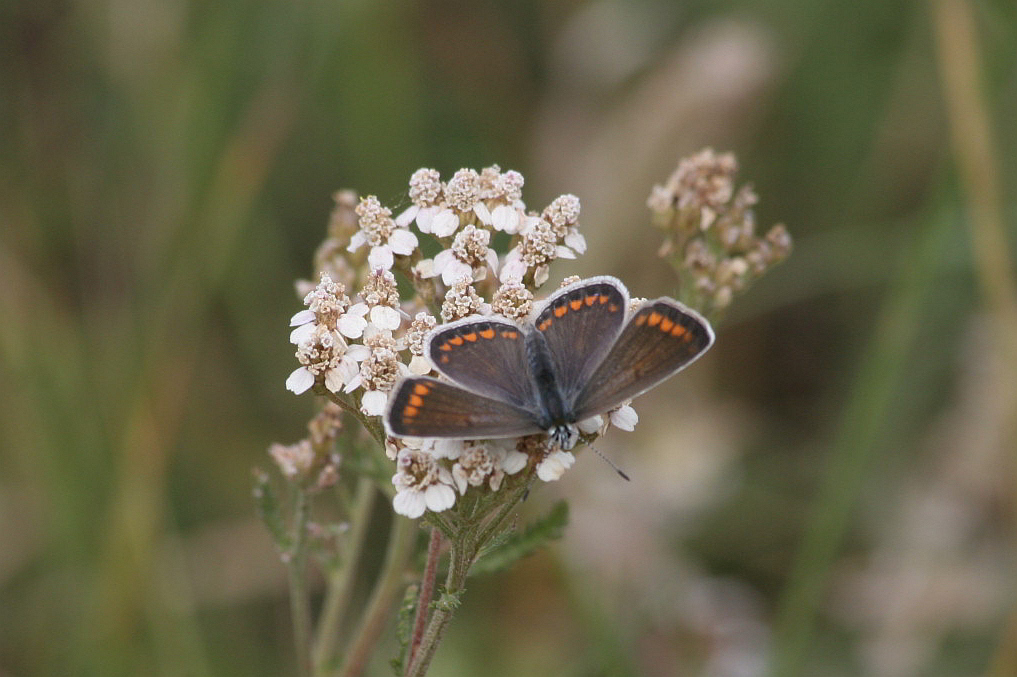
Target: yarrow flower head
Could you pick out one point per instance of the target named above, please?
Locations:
(709, 226)
(385, 237)
(361, 347)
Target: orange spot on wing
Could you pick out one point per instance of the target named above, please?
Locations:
(545, 324)
(421, 389)
(487, 333)
(445, 346)
(603, 298)
(471, 337)
(640, 320)
(410, 412)
(416, 400)
(576, 305)
(509, 334)
(560, 311)
(444, 359)
(678, 330)
(456, 340)
(666, 324)
(591, 299)
(654, 319)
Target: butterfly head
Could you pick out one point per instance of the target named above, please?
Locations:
(564, 435)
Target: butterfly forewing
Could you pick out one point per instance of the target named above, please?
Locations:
(580, 323)
(486, 356)
(662, 337)
(425, 407)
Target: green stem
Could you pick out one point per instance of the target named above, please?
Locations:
(340, 583)
(300, 601)
(386, 589)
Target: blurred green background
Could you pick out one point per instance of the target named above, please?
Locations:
(831, 491)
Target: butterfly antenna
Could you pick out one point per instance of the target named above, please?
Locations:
(611, 463)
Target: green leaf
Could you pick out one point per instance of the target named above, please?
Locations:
(508, 547)
(404, 628)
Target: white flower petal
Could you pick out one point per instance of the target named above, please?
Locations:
(419, 365)
(575, 240)
(409, 503)
(381, 257)
(540, 275)
(353, 383)
(555, 465)
(384, 317)
(425, 217)
(303, 317)
(425, 268)
(625, 418)
(590, 425)
(505, 218)
(300, 381)
(439, 497)
(563, 252)
(302, 333)
(528, 224)
(482, 212)
(513, 270)
(492, 260)
(406, 217)
(352, 326)
(456, 270)
(348, 369)
(459, 475)
(442, 259)
(358, 352)
(445, 223)
(403, 242)
(373, 403)
(451, 449)
(358, 239)
(334, 379)
(514, 461)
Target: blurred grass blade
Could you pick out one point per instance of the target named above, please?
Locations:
(872, 409)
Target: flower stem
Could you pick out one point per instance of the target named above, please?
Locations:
(340, 583)
(426, 593)
(460, 560)
(300, 602)
(464, 552)
(400, 547)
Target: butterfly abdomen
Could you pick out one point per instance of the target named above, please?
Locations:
(538, 357)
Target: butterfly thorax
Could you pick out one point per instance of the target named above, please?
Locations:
(555, 416)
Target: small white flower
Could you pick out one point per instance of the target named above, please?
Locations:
(506, 219)
(421, 484)
(625, 418)
(444, 223)
(385, 237)
(352, 323)
(591, 425)
(420, 365)
(554, 465)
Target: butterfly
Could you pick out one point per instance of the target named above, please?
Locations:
(583, 354)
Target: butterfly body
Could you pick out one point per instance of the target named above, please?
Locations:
(581, 355)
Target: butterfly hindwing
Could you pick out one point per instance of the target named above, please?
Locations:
(485, 355)
(425, 407)
(580, 323)
(661, 338)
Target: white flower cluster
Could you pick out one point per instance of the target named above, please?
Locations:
(361, 348)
